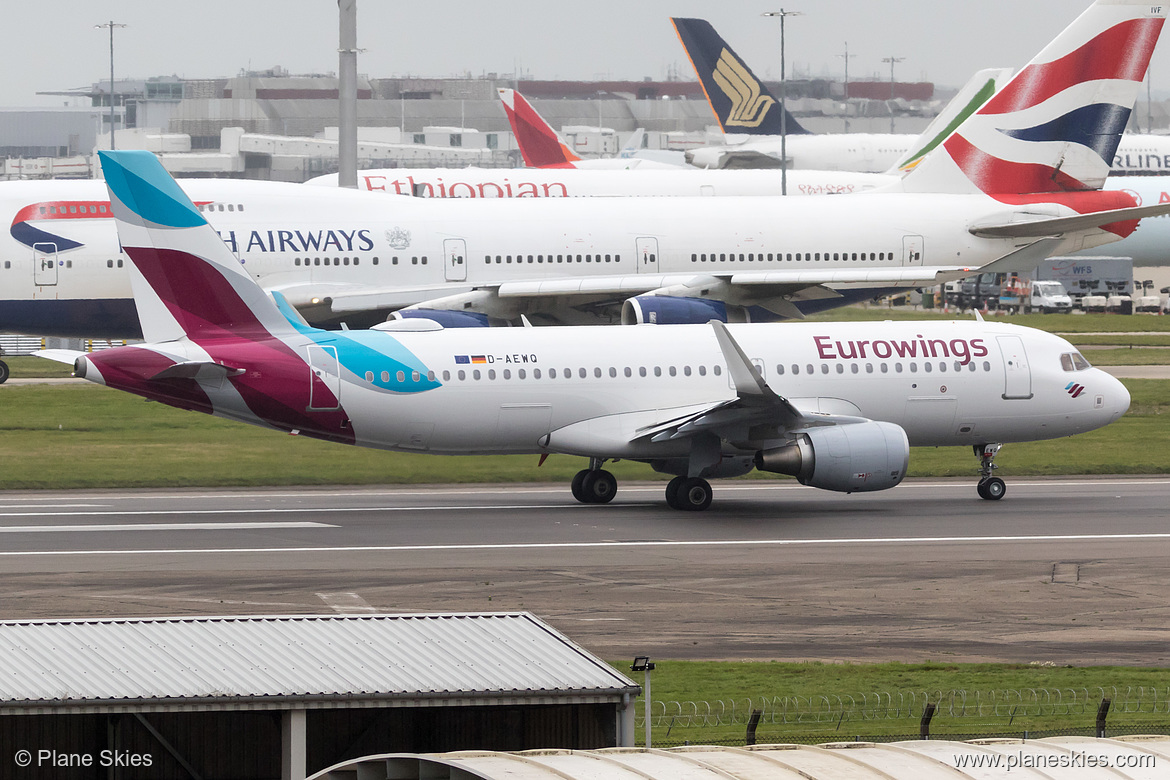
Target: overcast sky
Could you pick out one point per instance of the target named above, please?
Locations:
(52, 44)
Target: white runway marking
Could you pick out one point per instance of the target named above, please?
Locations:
(859, 541)
(6, 507)
(40, 529)
(289, 511)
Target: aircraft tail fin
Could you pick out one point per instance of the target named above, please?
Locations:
(740, 101)
(974, 94)
(634, 143)
(185, 280)
(1056, 125)
(539, 144)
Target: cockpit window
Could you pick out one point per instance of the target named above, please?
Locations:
(1073, 361)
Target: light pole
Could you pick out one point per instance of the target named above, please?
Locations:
(111, 25)
(642, 663)
(846, 55)
(892, 61)
(783, 108)
(347, 52)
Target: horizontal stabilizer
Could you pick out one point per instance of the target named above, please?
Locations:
(60, 355)
(1052, 226)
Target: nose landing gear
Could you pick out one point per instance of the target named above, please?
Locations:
(990, 488)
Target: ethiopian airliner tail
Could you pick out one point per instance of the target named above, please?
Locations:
(539, 144)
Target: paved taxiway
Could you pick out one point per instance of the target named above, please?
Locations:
(1067, 570)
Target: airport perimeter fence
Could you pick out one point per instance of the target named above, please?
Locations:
(897, 705)
(769, 737)
(832, 717)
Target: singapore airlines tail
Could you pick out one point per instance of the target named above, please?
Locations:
(740, 101)
(539, 144)
(1056, 125)
(186, 282)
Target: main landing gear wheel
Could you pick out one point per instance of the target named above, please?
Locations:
(3, 372)
(691, 494)
(672, 489)
(992, 489)
(594, 486)
(575, 486)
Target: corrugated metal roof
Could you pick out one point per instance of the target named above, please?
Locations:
(1136, 757)
(321, 658)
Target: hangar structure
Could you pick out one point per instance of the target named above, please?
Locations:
(1135, 757)
(282, 697)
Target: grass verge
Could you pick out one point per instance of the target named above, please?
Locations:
(28, 367)
(84, 436)
(827, 701)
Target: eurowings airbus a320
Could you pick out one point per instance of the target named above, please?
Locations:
(835, 405)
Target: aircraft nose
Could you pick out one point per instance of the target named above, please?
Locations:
(1116, 398)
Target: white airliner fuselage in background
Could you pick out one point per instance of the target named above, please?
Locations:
(877, 152)
(577, 183)
(354, 256)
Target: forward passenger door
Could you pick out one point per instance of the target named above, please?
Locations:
(455, 259)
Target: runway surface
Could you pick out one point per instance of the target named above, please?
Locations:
(1062, 570)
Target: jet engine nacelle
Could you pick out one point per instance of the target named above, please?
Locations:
(669, 310)
(850, 458)
(445, 317)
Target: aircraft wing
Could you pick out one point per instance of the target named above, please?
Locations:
(564, 299)
(757, 411)
(629, 284)
(391, 298)
(755, 416)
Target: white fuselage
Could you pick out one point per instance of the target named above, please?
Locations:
(576, 183)
(879, 152)
(313, 243)
(592, 391)
(1148, 246)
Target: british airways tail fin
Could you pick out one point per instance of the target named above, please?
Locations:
(539, 144)
(741, 102)
(1055, 126)
(185, 280)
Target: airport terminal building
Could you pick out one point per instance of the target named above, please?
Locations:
(274, 125)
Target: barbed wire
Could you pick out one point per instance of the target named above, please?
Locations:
(893, 705)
